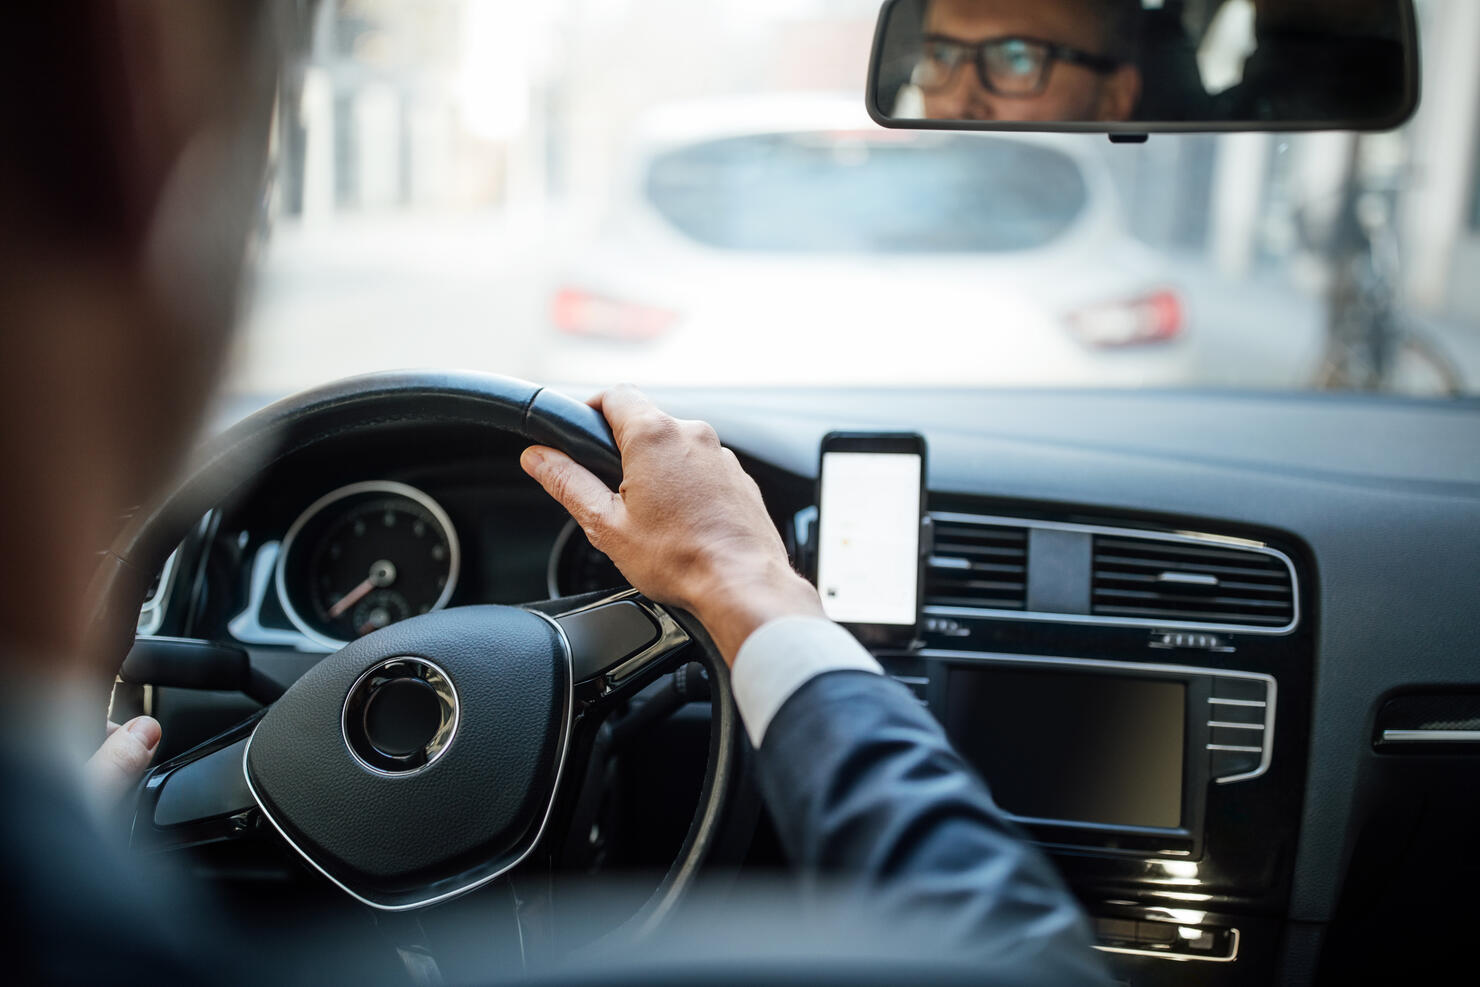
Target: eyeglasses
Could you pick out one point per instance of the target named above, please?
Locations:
(1006, 66)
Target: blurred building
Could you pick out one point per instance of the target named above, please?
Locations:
(1262, 184)
(488, 103)
(1442, 214)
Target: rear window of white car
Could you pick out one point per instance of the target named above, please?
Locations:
(849, 193)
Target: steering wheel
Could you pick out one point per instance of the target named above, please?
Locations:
(432, 756)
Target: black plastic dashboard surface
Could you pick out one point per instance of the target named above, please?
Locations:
(1383, 494)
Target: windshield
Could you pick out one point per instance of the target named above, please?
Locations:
(675, 193)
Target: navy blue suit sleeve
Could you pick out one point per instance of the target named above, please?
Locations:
(877, 811)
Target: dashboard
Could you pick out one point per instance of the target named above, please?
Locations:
(1199, 617)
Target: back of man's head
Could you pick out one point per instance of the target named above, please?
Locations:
(1119, 23)
(1122, 21)
(136, 133)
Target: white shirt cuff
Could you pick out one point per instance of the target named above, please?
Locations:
(781, 656)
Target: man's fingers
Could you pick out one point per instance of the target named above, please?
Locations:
(577, 489)
(627, 410)
(123, 757)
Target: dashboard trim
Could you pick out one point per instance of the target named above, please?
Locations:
(1180, 537)
(1177, 957)
(247, 626)
(1431, 736)
(151, 613)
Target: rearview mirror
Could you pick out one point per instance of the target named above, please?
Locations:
(1144, 66)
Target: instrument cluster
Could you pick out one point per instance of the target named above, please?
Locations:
(363, 557)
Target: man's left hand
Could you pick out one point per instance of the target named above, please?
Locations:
(123, 758)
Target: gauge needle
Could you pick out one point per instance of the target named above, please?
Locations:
(351, 598)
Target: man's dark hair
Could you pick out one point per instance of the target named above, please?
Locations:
(1120, 23)
(1120, 26)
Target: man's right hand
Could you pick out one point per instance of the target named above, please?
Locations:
(688, 526)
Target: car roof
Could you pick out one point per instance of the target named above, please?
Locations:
(684, 123)
(693, 121)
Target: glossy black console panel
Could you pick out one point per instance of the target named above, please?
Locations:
(1110, 757)
(1248, 828)
(1204, 900)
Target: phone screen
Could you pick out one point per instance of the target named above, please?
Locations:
(868, 554)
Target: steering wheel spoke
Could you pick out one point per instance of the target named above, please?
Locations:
(619, 642)
(199, 797)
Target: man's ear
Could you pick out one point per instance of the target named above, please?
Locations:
(143, 78)
(76, 171)
(172, 65)
(1121, 93)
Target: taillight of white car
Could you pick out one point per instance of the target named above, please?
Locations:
(1153, 318)
(577, 312)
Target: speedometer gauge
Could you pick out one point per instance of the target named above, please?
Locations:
(363, 557)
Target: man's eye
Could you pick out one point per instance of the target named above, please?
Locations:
(943, 54)
(1017, 58)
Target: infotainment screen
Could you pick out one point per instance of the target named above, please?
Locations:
(1071, 747)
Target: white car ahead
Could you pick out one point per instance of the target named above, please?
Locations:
(762, 241)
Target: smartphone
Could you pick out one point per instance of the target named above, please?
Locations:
(870, 525)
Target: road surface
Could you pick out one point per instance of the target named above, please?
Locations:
(387, 292)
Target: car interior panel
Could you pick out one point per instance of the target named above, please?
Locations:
(1212, 587)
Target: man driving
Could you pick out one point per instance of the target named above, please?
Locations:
(1029, 60)
(129, 193)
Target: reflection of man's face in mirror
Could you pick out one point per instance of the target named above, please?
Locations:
(1055, 60)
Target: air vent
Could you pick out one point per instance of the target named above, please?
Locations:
(1155, 580)
(983, 566)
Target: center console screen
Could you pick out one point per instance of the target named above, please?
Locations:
(1073, 747)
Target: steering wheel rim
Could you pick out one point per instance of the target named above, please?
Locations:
(233, 460)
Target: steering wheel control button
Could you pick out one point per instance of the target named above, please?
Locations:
(604, 636)
(400, 716)
(210, 786)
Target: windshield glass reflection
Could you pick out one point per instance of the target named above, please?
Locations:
(502, 186)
